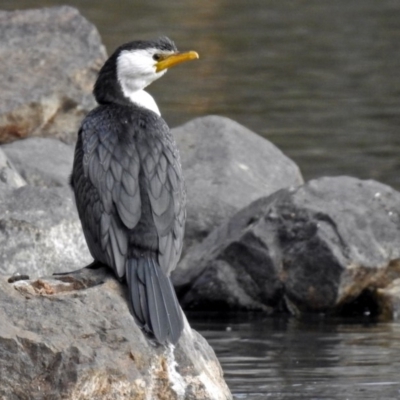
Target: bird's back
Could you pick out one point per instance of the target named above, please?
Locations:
(130, 196)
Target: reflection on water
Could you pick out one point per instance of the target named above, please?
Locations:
(282, 358)
(319, 79)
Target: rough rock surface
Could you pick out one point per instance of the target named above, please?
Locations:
(40, 232)
(8, 173)
(49, 61)
(41, 161)
(318, 247)
(72, 337)
(226, 167)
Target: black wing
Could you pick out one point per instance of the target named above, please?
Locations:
(110, 158)
(166, 191)
(105, 181)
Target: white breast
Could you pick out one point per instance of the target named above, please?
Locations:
(142, 99)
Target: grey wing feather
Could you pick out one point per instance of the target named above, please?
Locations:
(106, 184)
(167, 197)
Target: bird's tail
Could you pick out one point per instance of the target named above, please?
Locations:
(153, 300)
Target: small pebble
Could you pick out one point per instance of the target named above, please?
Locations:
(18, 277)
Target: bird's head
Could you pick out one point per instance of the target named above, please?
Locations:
(135, 65)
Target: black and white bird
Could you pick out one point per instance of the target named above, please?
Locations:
(128, 184)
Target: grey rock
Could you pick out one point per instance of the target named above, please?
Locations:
(50, 58)
(234, 268)
(72, 337)
(40, 232)
(316, 248)
(388, 300)
(8, 173)
(226, 167)
(41, 161)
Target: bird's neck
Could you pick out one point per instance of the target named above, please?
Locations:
(135, 93)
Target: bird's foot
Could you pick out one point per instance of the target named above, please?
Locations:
(93, 265)
(91, 275)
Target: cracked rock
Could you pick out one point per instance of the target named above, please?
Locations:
(316, 248)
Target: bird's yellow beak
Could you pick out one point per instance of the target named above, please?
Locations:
(175, 59)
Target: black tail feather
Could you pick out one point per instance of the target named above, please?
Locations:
(173, 307)
(135, 289)
(153, 300)
(157, 310)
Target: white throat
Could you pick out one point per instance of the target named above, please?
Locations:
(142, 99)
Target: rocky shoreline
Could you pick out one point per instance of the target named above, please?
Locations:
(257, 236)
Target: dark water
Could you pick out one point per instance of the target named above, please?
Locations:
(320, 79)
(277, 358)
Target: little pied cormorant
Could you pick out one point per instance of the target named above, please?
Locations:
(128, 184)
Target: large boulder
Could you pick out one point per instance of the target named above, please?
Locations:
(72, 337)
(49, 62)
(226, 167)
(40, 232)
(41, 161)
(316, 248)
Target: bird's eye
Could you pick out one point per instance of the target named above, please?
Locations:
(157, 57)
